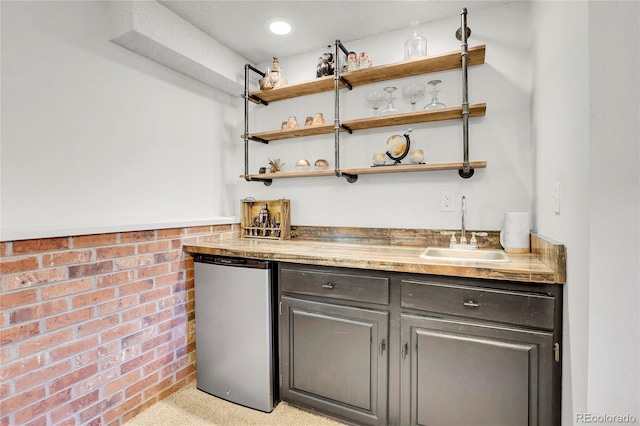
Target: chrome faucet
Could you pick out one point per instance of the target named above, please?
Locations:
(463, 231)
(473, 242)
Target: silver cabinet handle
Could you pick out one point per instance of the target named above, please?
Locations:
(471, 304)
(383, 346)
(329, 286)
(405, 350)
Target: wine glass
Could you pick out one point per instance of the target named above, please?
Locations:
(390, 109)
(435, 103)
(413, 93)
(375, 100)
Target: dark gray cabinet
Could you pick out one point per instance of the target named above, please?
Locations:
(333, 357)
(459, 373)
(377, 347)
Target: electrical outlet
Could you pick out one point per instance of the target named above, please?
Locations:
(446, 201)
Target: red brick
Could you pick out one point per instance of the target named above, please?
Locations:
(75, 376)
(153, 271)
(67, 288)
(42, 375)
(135, 287)
(5, 249)
(121, 382)
(153, 246)
(117, 304)
(139, 337)
(113, 279)
(167, 256)
(196, 230)
(171, 368)
(157, 388)
(72, 349)
(70, 318)
(30, 279)
(23, 365)
(24, 415)
(120, 331)
(171, 278)
(139, 386)
(23, 399)
(44, 244)
(115, 251)
(40, 310)
(133, 262)
(116, 359)
(156, 341)
(136, 362)
(170, 233)
(93, 297)
(137, 236)
(18, 298)
(155, 294)
(158, 364)
(90, 269)
(66, 258)
(190, 369)
(99, 408)
(17, 333)
(18, 264)
(96, 381)
(121, 409)
(97, 325)
(94, 240)
(152, 319)
(44, 341)
(139, 312)
(74, 406)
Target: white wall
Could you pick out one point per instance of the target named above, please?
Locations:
(585, 136)
(614, 192)
(95, 135)
(413, 199)
(561, 139)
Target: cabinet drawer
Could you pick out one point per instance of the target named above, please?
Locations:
(345, 286)
(528, 309)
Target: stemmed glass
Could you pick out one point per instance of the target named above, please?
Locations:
(390, 109)
(435, 103)
(413, 93)
(375, 100)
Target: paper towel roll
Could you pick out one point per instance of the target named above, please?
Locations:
(514, 236)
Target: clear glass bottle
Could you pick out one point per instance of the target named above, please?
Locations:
(416, 45)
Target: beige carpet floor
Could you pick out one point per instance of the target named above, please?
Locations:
(192, 407)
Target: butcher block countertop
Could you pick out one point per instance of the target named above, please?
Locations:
(393, 250)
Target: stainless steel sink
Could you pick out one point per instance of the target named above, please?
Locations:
(444, 253)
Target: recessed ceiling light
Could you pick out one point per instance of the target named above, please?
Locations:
(280, 27)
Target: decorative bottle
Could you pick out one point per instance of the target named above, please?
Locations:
(416, 45)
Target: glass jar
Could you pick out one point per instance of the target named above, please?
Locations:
(416, 45)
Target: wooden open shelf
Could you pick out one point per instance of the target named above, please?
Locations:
(401, 168)
(413, 67)
(449, 113)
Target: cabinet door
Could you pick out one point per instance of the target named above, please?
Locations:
(461, 373)
(334, 358)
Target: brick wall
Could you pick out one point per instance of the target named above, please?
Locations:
(96, 328)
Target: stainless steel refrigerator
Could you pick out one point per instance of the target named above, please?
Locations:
(235, 349)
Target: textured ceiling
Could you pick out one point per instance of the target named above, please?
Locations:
(241, 25)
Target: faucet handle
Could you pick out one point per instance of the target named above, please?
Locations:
(452, 241)
(474, 242)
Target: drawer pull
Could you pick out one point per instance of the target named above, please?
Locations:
(329, 286)
(471, 304)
